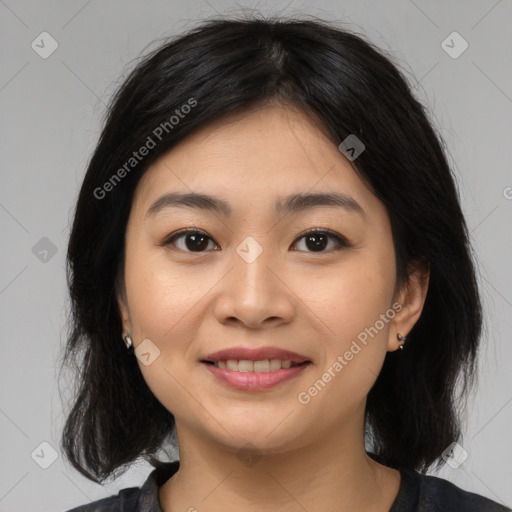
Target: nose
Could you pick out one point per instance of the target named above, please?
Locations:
(255, 293)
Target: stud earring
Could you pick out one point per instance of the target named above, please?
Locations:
(402, 339)
(128, 342)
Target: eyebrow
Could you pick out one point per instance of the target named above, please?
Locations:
(289, 204)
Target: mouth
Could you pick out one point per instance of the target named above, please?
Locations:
(261, 366)
(254, 369)
(259, 359)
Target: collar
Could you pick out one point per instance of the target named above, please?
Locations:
(148, 496)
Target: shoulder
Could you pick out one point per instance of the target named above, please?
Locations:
(124, 501)
(135, 499)
(438, 494)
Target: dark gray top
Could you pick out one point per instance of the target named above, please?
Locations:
(417, 493)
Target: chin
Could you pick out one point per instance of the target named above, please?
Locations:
(257, 438)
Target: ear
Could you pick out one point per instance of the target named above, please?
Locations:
(123, 308)
(412, 299)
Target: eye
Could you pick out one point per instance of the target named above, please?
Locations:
(318, 238)
(197, 241)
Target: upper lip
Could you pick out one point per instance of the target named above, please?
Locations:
(255, 354)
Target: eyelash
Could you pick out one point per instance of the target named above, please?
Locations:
(341, 240)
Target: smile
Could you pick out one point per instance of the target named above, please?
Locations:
(246, 375)
(246, 365)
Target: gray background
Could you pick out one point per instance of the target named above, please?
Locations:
(50, 115)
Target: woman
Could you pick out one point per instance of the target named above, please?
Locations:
(270, 225)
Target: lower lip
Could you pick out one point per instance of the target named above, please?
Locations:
(255, 381)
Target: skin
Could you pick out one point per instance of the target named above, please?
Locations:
(313, 302)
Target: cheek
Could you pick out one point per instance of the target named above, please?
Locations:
(354, 311)
(163, 296)
(165, 306)
(350, 297)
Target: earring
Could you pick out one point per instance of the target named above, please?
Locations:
(128, 342)
(402, 339)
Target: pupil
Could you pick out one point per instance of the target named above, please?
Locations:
(318, 245)
(196, 239)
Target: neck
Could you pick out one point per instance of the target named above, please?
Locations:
(334, 473)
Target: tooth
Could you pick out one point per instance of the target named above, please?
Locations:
(245, 365)
(275, 364)
(262, 366)
(232, 364)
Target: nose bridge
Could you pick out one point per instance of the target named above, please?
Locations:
(251, 264)
(253, 291)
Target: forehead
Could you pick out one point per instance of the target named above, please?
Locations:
(255, 157)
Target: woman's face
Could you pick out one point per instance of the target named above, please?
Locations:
(254, 280)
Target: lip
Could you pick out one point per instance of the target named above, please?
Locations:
(255, 354)
(255, 381)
